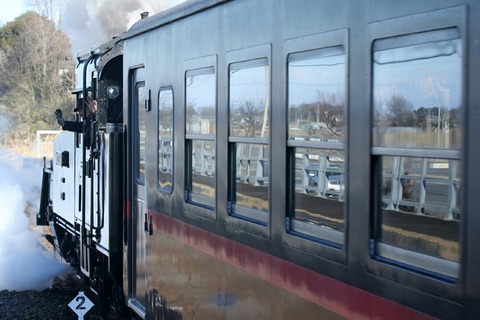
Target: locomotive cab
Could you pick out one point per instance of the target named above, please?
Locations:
(82, 187)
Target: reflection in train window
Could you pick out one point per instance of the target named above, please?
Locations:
(200, 91)
(316, 109)
(249, 197)
(420, 212)
(200, 94)
(202, 172)
(417, 91)
(318, 203)
(316, 94)
(165, 139)
(249, 99)
(141, 132)
(416, 140)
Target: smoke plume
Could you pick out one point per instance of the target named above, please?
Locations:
(92, 22)
(24, 263)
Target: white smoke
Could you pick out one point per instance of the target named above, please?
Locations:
(92, 22)
(24, 263)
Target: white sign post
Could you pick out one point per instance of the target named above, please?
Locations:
(80, 305)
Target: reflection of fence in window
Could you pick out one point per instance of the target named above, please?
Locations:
(165, 138)
(317, 175)
(422, 186)
(44, 142)
(165, 155)
(165, 163)
(140, 133)
(141, 156)
(202, 179)
(252, 163)
(203, 158)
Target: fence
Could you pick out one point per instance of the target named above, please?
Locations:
(44, 143)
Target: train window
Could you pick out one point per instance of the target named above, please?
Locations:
(200, 91)
(416, 138)
(316, 95)
(249, 99)
(165, 139)
(316, 108)
(417, 91)
(141, 132)
(249, 93)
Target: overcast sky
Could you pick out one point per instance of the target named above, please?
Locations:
(10, 10)
(89, 22)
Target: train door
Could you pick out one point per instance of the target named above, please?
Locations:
(138, 291)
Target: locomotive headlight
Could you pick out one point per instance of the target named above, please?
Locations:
(113, 91)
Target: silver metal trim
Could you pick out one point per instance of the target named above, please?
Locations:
(114, 127)
(135, 306)
(441, 266)
(417, 153)
(250, 213)
(318, 231)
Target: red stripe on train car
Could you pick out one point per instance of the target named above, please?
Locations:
(127, 210)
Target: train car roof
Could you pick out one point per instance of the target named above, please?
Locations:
(180, 11)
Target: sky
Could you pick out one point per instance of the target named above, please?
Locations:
(89, 23)
(11, 9)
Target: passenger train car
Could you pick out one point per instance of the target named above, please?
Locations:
(275, 159)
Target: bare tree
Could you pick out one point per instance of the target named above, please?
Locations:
(36, 73)
(329, 110)
(400, 112)
(47, 9)
(192, 115)
(247, 117)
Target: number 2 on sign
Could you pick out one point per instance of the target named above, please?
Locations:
(80, 306)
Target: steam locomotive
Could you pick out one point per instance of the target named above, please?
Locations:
(277, 159)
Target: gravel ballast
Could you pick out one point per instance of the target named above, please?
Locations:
(51, 304)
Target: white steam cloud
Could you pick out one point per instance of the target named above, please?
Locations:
(92, 22)
(24, 263)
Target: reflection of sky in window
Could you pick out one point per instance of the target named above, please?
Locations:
(310, 76)
(249, 84)
(201, 91)
(166, 100)
(426, 75)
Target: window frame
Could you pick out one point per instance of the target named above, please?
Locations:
(165, 190)
(137, 144)
(303, 240)
(414, 260)
(252, 221)
(196, 208)
(386, 267)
